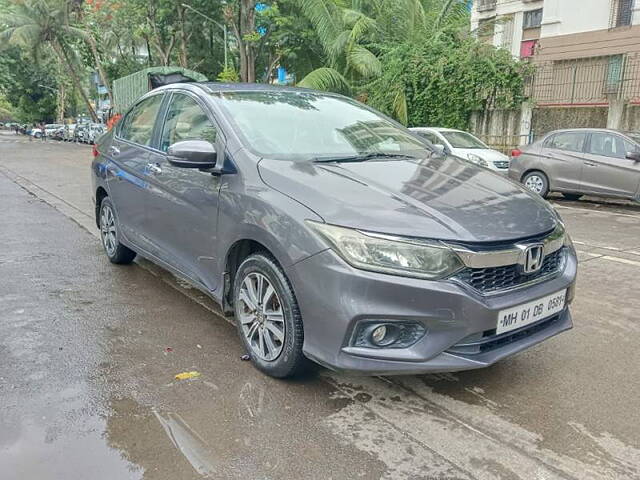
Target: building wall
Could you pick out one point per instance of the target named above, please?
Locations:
(564, 17)
(508, 17)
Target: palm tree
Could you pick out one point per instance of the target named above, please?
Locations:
(360, 36)
(36, 24)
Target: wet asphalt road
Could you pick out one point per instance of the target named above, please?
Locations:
(88, 352)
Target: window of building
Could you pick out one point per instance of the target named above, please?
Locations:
(621, 13)
(486, 30)
(528, 48)
(506, 31)
(532, 19)
(614, 74)
(484, 5)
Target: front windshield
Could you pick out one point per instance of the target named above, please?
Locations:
(303, 126)
(634, 136)
(462, 140)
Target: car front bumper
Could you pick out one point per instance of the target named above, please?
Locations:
(334, 298)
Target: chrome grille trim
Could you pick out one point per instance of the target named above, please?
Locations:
(498, 258)
(506, 278)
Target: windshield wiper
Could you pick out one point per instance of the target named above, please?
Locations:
(359, 158)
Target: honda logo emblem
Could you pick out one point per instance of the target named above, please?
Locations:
(533, 258)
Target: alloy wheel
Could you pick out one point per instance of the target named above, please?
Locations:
(535, 183)
(108, 230)
(261, 316)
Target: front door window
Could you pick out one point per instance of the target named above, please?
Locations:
(186, 120)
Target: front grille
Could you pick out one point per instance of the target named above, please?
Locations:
(494, 279)
(501, 163)
(490, 341)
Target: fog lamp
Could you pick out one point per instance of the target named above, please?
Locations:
(379, 334)
(387, 335)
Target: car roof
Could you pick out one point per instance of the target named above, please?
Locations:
(215, 87)
(439, 129)
(589, 129)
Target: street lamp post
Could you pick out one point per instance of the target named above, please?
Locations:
(223, 27)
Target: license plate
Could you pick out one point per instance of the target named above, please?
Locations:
(531, 312)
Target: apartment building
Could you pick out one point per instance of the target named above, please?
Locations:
(510, 24)
(585, 53)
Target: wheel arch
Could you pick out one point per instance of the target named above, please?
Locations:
(531, 170)
(235, 255)
(101, 193)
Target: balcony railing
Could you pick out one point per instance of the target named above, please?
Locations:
(485, 5)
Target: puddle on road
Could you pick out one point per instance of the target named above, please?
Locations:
(193, 446)
(60, 440)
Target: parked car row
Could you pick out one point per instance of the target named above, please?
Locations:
(84, 132)
(573, 162)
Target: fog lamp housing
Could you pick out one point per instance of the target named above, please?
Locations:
(381, 334)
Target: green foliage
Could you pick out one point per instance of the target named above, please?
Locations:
(20, 90)
(228, 75)
(325, 78)
(412, 59)
(7, 111)
(444, 80)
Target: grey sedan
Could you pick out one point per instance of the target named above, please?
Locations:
(330, 232)
(580, 162)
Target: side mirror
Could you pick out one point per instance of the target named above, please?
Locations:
(635, 156)
(192, 154)
(440, 149)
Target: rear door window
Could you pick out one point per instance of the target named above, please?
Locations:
(137, 126)
(570, 141)
(607, 145)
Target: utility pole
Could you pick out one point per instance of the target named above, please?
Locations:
(215, 22)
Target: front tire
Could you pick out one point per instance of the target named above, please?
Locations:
(116, 252)
(537, 182)
(267, 317)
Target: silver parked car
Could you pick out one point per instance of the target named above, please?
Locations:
(330, 231)
(580, 162)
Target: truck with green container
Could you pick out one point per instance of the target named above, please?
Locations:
(127, 90)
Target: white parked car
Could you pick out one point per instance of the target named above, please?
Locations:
(69, 132)
(49, 128)
(94, 131)
(464, 145)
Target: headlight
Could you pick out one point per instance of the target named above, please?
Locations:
(476, 159)
(561, 232)
(393, 255)
(567, 240)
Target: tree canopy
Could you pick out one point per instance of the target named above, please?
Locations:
(413, 59)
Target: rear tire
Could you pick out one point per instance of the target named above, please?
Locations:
(267, 317)
(536, 182)
(572, 196)
(116, 252)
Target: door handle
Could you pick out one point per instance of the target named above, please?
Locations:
(154, 168)
(115, 151)
(589, 164)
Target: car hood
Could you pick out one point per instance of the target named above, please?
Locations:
(439, 197)
(485, 153)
